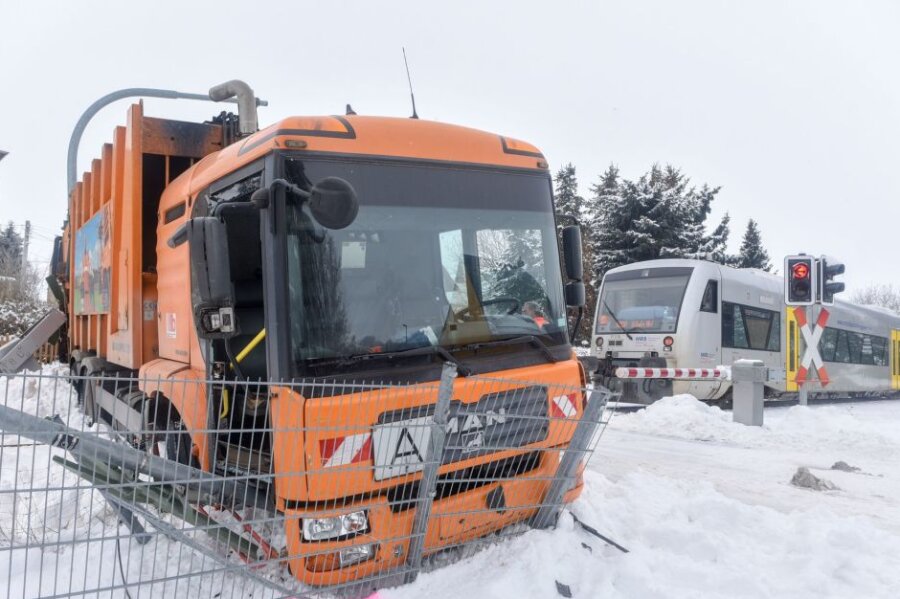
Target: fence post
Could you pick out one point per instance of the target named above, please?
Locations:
(564, 479)
(748, 379)
(433, 456)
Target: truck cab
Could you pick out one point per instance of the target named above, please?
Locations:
(306, 286)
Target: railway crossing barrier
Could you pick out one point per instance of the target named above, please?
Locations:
(748, 378)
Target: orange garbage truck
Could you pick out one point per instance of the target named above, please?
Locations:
(335, 265)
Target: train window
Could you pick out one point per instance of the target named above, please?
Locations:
(854, 342)
(879, 344)
(775, 334)
(710, 302)
(848, 347)
(757, 323)
(744, 327)
(866, 352)
(842, 348)
(828, 344)
(733, 333)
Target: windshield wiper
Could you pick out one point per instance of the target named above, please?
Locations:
(618, 322)
(520, 339)
(428, 350)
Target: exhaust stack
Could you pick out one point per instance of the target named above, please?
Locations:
(246, 100)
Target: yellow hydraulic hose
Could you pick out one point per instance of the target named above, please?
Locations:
(241, 355)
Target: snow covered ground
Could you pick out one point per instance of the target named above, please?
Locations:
(705, 507)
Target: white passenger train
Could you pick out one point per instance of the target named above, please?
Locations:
(699, 314)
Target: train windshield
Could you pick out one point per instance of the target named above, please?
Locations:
(437, 256)
(642, 301)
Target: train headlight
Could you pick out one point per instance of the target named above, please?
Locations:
(669, 341)
(318, 529)
(599, 341)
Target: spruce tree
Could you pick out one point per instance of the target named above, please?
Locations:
(568, 202)
(657, 216)
(715, 247)
(10, 251)
(614, 211)
(752, 253)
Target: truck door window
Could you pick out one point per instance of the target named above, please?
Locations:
(236, 192)
(245, 257)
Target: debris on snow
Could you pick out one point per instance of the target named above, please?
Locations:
(844, 467)
(806, 479)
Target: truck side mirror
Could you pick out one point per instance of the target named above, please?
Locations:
(575, 297)
(333, 203)
(571, 242)
(212, 292)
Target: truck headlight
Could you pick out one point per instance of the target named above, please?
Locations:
(356, 554)
(332, 527)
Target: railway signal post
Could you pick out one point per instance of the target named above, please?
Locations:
(809, 281)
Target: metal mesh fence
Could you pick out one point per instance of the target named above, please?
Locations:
(116, 486)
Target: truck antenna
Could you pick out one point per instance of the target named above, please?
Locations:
(408, 79)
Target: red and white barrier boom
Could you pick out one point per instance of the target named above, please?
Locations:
(685, 374)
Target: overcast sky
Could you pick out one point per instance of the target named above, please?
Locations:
(793, 108)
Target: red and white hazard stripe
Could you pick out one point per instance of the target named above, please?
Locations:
(340, 451)
(672, 373)
(564, 406)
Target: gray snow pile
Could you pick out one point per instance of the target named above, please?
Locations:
(805, 479)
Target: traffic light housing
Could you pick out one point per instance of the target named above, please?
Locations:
(799, 280)
(829, 268)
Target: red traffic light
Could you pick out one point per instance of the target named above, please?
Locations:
(800, 270)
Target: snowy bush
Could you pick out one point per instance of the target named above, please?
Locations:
(18, 315)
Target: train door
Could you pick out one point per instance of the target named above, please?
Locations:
(708, 337)
(895, 359)
(792, 349)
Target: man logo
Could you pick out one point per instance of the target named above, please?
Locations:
(510, 418)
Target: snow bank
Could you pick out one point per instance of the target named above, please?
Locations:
(844, 425)
(685, 540)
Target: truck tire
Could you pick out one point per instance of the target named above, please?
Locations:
(170, 438)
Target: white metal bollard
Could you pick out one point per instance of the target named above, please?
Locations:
(748, 379)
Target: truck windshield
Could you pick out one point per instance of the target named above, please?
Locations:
(437, 256)
(642, 301)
